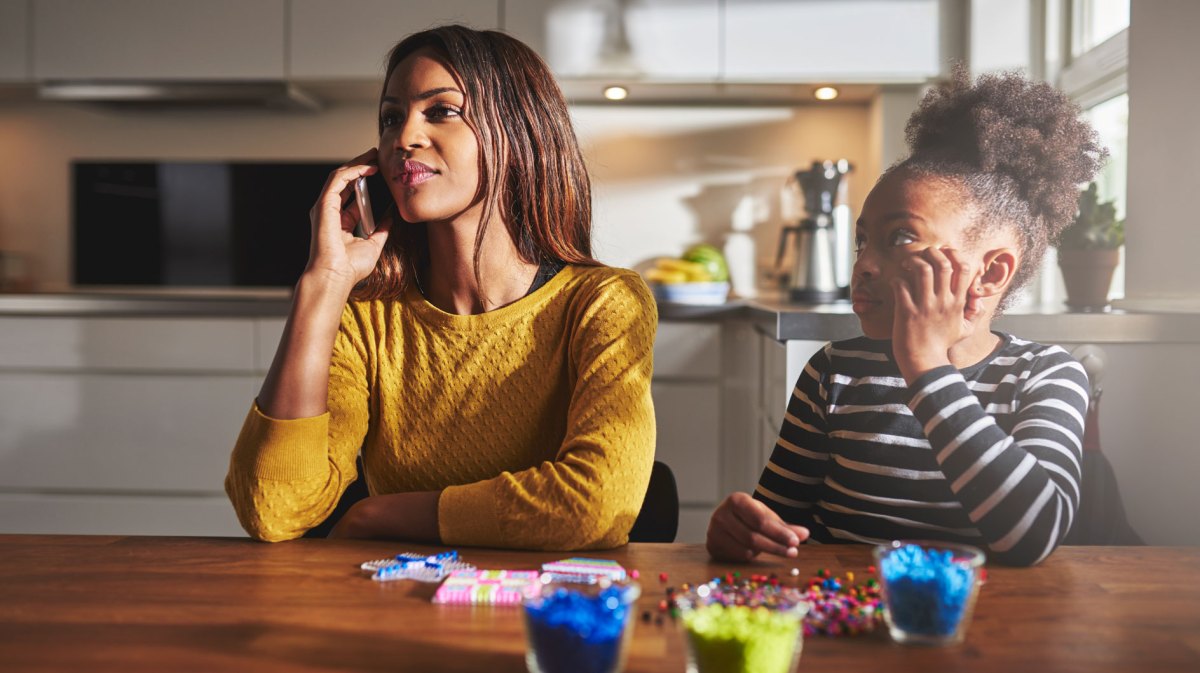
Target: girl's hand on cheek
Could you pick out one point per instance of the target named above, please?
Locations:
(931, 297)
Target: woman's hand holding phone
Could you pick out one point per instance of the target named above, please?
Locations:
(334, 249)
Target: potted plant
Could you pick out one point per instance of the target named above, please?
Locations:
(1088, 251)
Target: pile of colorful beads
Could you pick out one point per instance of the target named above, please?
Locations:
(842, 608)
(580, 628)
(928, 590)
(838, 605)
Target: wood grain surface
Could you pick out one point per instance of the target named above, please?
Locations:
(70, 603)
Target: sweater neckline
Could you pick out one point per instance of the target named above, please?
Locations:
(436, 317)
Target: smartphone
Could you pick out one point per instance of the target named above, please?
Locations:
(366, 223)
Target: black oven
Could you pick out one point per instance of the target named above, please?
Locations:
(193, 224)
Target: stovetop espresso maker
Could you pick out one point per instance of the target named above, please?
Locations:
(820, 270)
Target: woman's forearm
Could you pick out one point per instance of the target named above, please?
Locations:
(297, 384)
(395, 516)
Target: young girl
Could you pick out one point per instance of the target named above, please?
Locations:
(932, 426)
(495, 376)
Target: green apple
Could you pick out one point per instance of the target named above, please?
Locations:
(711, 258)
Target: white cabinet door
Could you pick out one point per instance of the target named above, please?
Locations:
(14, 41)
(143, 433)
(351, 39)
(669, 39)
(127, 344)
(86, 514)
(693, 524)
(689, 438)
(831, 40)
(687, 350)
(267, 333)
(158, 39)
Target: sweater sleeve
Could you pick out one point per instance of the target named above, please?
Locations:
(286, 476)
(791, 481)
(588, 496)
(1021, 489)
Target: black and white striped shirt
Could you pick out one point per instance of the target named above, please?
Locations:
(989, 455)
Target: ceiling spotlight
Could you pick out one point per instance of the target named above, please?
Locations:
(825, 93)
(616, 93)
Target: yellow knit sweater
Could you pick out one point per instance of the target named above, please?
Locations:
(533, 420)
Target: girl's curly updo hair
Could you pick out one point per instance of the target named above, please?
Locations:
(1018, 151)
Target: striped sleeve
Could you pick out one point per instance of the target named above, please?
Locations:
(793, 476)
(1020, 488)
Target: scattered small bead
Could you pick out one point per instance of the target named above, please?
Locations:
(634, 574)
(837, 607)
(662, 577)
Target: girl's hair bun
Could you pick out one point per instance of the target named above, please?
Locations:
(1004, 123)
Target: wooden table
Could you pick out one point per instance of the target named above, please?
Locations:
(124, 604)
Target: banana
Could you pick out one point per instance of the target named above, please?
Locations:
(693, 272)
(657, 275)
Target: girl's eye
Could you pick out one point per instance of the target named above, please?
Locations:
(388, 118)
(901, 238)
(860, 242)
(442, 112)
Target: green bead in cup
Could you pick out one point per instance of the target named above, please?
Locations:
(741, 639)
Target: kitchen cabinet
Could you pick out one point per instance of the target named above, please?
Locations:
(832, 40)
(351, 39)
(122, 425)
(14, 41)
(156, 40)
(668, 39)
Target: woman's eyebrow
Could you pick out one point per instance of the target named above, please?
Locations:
(424, 95)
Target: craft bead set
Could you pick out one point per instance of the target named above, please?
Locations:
(921, 594)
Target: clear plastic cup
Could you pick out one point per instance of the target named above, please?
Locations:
(742, 639)
(579, 628)
(929, 589)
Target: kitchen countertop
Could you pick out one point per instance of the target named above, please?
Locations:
(770, 313)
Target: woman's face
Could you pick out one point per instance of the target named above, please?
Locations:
(903, 215)
(427, 152)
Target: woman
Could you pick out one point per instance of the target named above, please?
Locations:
(495, 376)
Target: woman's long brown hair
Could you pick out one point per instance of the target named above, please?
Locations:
(531, 170)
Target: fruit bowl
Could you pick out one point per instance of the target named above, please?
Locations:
(700, 294)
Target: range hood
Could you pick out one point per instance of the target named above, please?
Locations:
(130, 93)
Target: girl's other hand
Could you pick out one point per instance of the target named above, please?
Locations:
(742, 528)
(334, 250)
(934, 309)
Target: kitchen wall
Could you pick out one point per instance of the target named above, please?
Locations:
(664, 177)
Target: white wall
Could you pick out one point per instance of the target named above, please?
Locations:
(1164, 144)
(664, 177)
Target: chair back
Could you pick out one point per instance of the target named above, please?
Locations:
(658, 520)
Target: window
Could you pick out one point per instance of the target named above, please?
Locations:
(1095, 21)
(1111, 120)
(1086, 54)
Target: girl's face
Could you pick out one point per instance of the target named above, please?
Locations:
(903, 215)
(427, 152)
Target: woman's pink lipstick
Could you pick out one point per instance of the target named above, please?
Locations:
(414, 173)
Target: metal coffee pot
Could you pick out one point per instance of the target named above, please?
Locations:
(818, 273)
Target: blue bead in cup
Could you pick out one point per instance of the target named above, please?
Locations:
(929, 589)
(579, 628)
